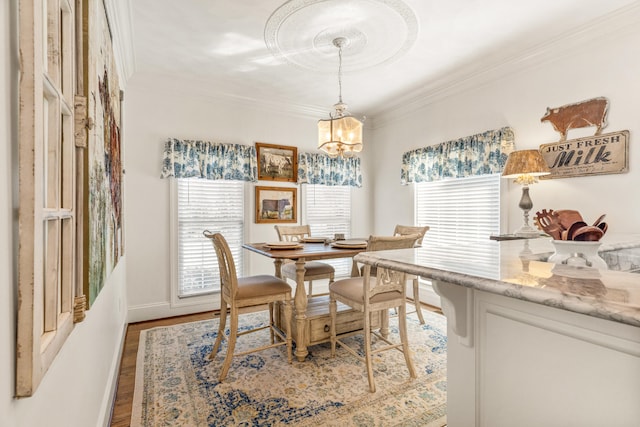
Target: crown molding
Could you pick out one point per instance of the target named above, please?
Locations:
(464, 78)
(119, 15)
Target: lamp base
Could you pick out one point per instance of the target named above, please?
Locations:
(526, 204)
(527, 231)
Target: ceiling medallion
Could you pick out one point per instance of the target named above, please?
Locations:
(301, 32)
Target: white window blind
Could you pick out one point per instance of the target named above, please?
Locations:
(328, 211)
(459, 211)
(217, 206)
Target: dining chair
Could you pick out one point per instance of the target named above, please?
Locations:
(403, 230)
(244, 292)
(314, 270)
(371, 293)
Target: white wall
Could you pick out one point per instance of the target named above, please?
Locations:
(77, 389)
(157, 110)
(596, 63)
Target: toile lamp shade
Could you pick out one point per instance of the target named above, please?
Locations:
(340, 136)
(525, 162)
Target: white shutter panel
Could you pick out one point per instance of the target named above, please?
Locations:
(459, 211)
(217, 206)
(328, 211)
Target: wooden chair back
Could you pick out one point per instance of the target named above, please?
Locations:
(226, 265)
(382, 243)
(384, 281)
(403, 230)
(292, 233)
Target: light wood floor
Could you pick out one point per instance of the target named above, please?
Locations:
(121, 415)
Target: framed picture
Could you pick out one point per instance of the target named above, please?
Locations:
(277, 162)
(275, 204)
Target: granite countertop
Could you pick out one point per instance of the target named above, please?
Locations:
(518, 269)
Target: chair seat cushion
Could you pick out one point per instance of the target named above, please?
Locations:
(263, 284)
(312, 268)
(353, 290)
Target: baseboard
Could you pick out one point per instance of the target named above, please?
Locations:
(107, 407)
(146, 312)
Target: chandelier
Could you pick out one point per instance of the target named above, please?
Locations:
(341, 134)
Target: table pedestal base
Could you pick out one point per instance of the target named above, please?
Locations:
(315, 326)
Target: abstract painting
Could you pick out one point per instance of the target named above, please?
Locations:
(103, 234)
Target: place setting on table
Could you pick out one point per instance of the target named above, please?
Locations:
(284, 245)
(338, 242)
(310, 239)
(350, 244)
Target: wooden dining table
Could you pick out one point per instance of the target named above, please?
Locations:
(312, 321)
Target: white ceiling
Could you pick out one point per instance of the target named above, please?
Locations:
(218, 48)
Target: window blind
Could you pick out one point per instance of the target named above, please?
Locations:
(217, 206)
(459, 211)
(328, 211)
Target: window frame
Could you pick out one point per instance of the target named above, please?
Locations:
(209, 298)
(48, 254)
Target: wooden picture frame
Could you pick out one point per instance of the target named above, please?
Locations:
(277, 162)
(276, 204)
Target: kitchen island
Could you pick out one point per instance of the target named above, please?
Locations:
(531, 343)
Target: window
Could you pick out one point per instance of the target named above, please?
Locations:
(47, 173)
(459, 211)
(217, 206)
(327, 210)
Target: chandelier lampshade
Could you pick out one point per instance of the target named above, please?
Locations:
(340, 134)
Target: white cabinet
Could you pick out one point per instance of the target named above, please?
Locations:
(517, 363)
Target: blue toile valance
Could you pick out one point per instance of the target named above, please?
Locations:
(314, 168)
(480, 154)
(209, 160)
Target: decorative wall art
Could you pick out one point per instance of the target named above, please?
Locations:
(592, 112)
(276, 204)
(103, 243)
(596, 155)
(277, 162)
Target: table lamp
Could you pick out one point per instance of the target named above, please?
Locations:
(525, 166)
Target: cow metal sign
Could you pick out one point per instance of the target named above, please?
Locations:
(595, 155)
(592, 112)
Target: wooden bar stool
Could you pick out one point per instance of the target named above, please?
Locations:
(252, 291)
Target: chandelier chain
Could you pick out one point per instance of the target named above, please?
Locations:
(340, 73)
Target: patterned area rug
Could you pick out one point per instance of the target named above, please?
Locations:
(176, 384)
